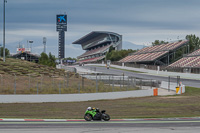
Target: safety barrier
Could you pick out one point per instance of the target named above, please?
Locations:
(180, 89)
(173, 86)
(73, 97)
(155, 92)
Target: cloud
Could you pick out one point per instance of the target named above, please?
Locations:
(138, 21)
(32, 33)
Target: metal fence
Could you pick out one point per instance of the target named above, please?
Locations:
(123, 81)
(71, 83)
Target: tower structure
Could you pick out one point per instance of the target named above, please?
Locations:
(44, 43)
(61, 27)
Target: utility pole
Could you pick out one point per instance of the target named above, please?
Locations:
(4, 52)
(0, 50)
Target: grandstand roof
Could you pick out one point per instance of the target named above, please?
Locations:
(93, 35)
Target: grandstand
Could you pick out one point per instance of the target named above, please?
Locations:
(155, 55)
(190, 61)
(97, 44)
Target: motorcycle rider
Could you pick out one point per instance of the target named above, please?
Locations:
(89, 108)
(98, 114)
(93, 109)
(95, 114)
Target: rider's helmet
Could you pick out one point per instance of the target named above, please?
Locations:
(89, 108)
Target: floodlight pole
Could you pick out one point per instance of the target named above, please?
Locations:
(0, 50)
(4, 52)
(30, 42)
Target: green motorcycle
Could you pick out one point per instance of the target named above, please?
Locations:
(95, 114)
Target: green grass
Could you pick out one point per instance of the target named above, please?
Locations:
(186, 105)
(192, 91)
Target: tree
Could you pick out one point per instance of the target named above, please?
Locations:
(44, 59)
(118, 55)
(7, 52)
(194, 42)
(157, 42)
(47, 60)
(52, 60)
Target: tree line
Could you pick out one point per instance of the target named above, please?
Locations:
(193, 42)
(114, 55)
(47, 60)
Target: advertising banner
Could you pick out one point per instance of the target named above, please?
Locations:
(61, 19)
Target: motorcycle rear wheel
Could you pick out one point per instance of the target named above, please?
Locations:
(88, 117)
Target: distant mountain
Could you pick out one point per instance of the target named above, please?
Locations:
(130, 45)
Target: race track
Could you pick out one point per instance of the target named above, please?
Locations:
(187, 82)
(130, 126)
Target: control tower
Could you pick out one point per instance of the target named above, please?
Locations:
(61, 27)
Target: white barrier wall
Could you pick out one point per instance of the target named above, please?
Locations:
(172, 86)
(73, 97)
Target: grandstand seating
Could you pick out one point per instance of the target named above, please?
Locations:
(162, 47)
(187, 62)
(92, 59)
(97, 43)
(95, 51)
(197, 64)
(149, 54)
(197, 52)
(191, 60)
(143, 57)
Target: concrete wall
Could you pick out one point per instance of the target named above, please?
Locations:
(73, 97)
(172, 86)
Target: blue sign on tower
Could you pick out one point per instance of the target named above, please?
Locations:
(61, 19)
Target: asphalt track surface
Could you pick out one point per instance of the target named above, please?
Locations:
(129, 126)
(187, 82)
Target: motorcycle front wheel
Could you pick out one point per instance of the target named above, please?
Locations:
(106, 117)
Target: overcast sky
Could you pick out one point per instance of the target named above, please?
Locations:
(139, 21)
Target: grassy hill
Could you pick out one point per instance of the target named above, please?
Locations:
(23, 77)
(23, 67)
